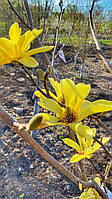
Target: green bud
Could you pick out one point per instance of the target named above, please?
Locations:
(68, 111)
(40, 72)
(34, 122)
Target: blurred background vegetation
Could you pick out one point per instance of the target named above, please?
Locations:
(74, 29)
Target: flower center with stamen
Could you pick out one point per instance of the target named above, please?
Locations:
(69, 117)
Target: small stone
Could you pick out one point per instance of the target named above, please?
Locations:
(21, 80)
(68, 187)
(31, 166)
(2, 171)
(12, 74)
(19, 111)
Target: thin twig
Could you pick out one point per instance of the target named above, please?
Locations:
(102, 176)
(99, 121)
(70, 32)
(35, 83)
(27, 72)
(19, 16)
(38, 42)
(28, 12)
(99, 49)
(45, 82)
(57, 34)
(105, 148)
(99, 190)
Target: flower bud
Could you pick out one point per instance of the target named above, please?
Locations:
(34, 122)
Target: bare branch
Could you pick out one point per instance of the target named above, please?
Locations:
(19, 16)
(105, 148)
(99, 190)
(29, 15)
(28, 139)
(57, 34)
(35, 83)
(99, 121)
(99, 49)
(38, 42)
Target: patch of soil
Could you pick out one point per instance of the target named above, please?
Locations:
(23, 173)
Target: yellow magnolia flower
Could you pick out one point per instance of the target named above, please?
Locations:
(17, 48)
(75, 108)
(85, 148)
(91, 193)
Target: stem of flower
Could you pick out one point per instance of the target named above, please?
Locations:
(45, 82)
(71, 134)
(83, 171)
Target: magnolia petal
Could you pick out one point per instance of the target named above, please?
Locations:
(21, 46)
(97, 179)
(74, 95)
(36, 33)
(88, 156)
(47, 120)
(90, 194)
(51, 105)
(42, 97)
(5, 61)
(82, 92)
(101, 106)
(97, 106)
(15, 32)
(7, 48)
(88, 153)
(24, 41)
(72, 144)
(77, 158)
(83, 131)
(28, 61)
(105, 139)
(57, 87)
(90, 142)
(33, 34)
(80, 186)
(72, 126)
(39, 50)
(69, 91)
(27, 38)
(81, 141)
